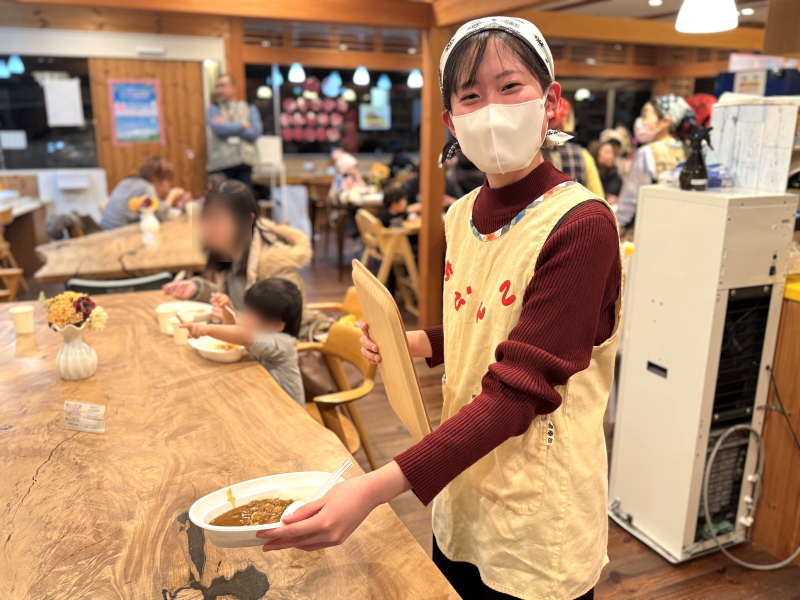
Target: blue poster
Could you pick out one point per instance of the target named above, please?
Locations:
(135, 111)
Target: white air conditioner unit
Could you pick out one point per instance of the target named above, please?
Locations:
(707, 281)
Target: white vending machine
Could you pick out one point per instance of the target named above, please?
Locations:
(706, 286)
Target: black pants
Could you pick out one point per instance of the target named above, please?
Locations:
(466, 580)
(243, 173)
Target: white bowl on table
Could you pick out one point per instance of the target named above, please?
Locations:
(288, 486)
(217, 350)
(199, 312)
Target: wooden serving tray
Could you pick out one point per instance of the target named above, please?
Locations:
(397, 368)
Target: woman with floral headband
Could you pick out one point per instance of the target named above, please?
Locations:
(517, 470)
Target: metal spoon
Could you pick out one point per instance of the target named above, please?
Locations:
(324, 489)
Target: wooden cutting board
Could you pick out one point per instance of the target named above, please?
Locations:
(397, 367)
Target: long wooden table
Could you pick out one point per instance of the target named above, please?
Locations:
(105, 516)
(119, 253)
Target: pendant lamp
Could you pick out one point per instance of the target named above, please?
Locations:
(296, 73)
(414, 79)
(15, 64)
(707, 16)
(361, 76)
(384, 83)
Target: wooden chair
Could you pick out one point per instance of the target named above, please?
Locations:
(349, 305)
(392, 248)
(338, 411)
(6, 257)
(11, 279)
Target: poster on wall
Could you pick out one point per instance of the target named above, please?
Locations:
(136, 112)
(374, 118)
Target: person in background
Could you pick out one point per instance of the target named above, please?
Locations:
(395, 207)
(606, 165)
(401, 162)
(235, 126)
(154, 179)
(270, 323)
(242, 249)
(570, 158)
(661, 119)
(621, 141)
(702, 105)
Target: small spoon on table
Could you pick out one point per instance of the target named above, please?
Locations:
(324, 489)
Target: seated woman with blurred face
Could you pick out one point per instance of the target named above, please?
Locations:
(155, 180)
(242, 248)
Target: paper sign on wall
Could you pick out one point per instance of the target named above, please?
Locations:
(63, 102)
(84, 416)
(135, 111)
(750, 82)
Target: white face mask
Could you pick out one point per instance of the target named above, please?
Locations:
(500, 138)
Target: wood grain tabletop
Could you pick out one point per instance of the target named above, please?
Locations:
(105, 516)
(119, 253)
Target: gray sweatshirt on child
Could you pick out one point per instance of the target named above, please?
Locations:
(278, 353)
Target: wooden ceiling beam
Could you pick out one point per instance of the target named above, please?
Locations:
(615, 30)
(330, 59)
(455, 12)
(375, 13)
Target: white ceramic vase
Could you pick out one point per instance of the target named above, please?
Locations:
(149, 224)
(76, 359)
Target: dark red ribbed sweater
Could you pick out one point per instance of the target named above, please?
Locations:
(568, 307)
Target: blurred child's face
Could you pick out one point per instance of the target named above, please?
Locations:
(253, 322)
(399, 207)
(163, 187)
(606, 155)
(218, 229)
(502, 78)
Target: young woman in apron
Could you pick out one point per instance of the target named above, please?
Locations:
(532, 306)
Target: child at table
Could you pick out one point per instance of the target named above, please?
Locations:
(273, 309)
(395, 207)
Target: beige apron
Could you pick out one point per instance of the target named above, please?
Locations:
(531, 515)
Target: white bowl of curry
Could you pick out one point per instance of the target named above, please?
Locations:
(278, 490)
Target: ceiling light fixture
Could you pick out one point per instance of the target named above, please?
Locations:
(361, 76)
(15, 65)
(414, 79)
(384, 83)
(655, 2)
(296, 73)
(748, 12)
(707, 16)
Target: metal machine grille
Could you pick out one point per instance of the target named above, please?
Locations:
(724, 484)
(740, 355)
(734, 401)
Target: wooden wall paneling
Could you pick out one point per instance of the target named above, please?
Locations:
(183, 114)
(777, 519)
(432, 179)
(636, 31)
(26, 185)
(455, 12)
(783, 22)
(234, 55)
(382, 13)
(330, 59)
(46, 16)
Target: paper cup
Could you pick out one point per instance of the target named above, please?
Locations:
(179, 334)
(22, 316)
(165, 313)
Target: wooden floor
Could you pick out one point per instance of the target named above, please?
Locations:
(635, 571)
